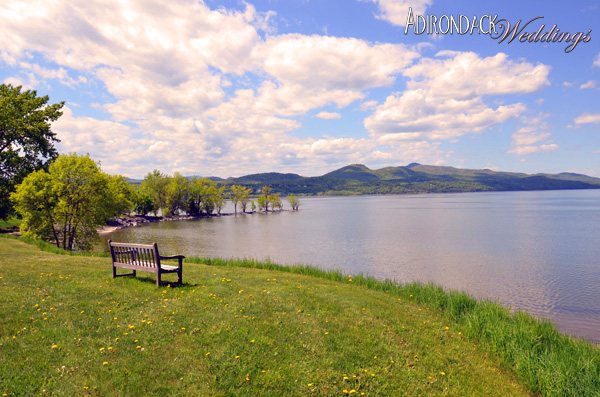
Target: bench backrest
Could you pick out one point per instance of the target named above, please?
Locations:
(141, 255)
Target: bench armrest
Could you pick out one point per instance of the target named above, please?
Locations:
(173, 257)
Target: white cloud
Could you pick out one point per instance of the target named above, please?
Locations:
(597, 60)
(589, 84)
(368, 105)
(587, 118)
(396, 11)
(445, 96)
(525, 150)
(334, 63)
(328, 115)
(533, 136)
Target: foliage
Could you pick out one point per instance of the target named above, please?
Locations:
(218, 197)
(275, 201)
(66, 204)
(294, 202)
(200, 198)
(176, 193)
(264, 200)
(155, 186)
(26, 139)
(239, 194)
(142, 203)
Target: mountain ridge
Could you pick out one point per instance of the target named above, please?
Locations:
(414, 178)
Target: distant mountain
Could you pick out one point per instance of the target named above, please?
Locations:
(413, 178)
(269, 177)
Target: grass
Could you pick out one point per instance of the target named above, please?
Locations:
(10, 225)
(242, 327)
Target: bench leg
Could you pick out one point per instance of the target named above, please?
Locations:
(158, 274)
(180, 271)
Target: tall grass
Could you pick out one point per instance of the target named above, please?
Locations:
(547, 361)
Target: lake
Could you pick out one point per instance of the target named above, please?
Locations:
(533, 251)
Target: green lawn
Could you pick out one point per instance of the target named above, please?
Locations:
(68, 328)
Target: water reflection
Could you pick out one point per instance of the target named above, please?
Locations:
(531, 250)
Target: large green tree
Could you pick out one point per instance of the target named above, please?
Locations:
(155, 185)
(66, 204)
(26, 139)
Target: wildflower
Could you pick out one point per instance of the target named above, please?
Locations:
(310, 384)
(138, 347)
(105, 363)
(208, 354)
(54, 346)
(442, 373)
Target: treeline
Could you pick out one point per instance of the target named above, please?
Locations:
(177, 194)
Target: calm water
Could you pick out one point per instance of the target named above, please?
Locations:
(537, 251)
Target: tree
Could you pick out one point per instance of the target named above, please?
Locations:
(142, 203)
(66, 204)
(239, 194)
(201, 198)
(275, 201)
(176, 194)
(218, 197)
(26, 139)
(246, 199)
(294, 202)
(155, 186)
(263, 201)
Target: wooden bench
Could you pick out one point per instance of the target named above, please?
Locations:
(142, 257)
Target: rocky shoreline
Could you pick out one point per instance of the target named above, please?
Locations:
(138, 220)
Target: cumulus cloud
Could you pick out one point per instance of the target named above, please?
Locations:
(588, 85)
(587, 118)
(328, 115)
(445, 96)
(396, 11)
(184, 80)
(597, 60)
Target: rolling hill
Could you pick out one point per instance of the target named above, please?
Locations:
(413, 178)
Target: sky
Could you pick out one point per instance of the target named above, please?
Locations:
(229, 88)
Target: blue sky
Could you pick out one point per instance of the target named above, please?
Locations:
(228, 88)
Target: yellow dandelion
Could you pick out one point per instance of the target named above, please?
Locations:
(101, 348)
(208, 354)
(105, 363)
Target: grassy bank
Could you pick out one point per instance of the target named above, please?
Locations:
(250, 328)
